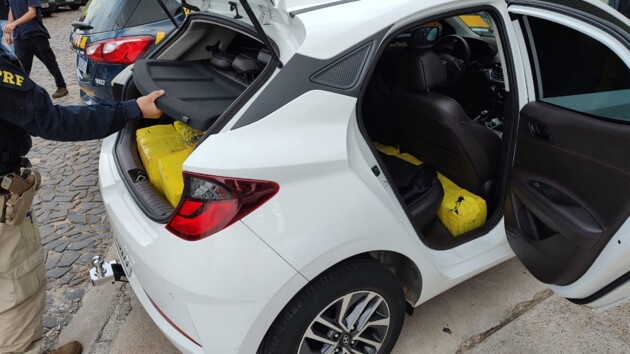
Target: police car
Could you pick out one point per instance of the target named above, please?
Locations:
(128, 28)
(361, 157)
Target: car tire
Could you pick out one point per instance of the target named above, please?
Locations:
(74, 7)
(355, 287)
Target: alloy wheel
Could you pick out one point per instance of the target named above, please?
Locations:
(356, 323)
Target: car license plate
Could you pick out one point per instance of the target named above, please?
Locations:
(82, 64)
(69, 0)
(45, 5)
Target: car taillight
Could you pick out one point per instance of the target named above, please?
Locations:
(120, 50)
(209, 204)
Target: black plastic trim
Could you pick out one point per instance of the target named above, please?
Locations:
(604, 291)
(294, 80)
(319, 7)
(152, 204)
(509, 134)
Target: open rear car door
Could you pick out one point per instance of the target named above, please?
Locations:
(568, 201)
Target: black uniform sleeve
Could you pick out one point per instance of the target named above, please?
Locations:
(74, 123)
(27, 105)
(34, 111)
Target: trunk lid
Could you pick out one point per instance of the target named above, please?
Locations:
(258, 12)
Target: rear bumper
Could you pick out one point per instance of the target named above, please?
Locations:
(210, 296)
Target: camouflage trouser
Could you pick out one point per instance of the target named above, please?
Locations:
(22, 287)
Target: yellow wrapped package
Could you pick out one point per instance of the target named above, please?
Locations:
(153, 143)
(189, 135)
(170, 169)
(461, 211)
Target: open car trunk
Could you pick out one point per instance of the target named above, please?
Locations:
(207, 70)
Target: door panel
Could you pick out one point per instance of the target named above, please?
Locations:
(568, 199)
(569, 190)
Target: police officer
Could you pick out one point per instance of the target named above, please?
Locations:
(26, 109)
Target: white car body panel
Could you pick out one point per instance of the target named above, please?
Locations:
(202, 277)
(330, 206)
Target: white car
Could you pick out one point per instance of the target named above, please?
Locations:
(306, 224)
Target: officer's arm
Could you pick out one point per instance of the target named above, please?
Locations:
(74, 123)
(28, 16)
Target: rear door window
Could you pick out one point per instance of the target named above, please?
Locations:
(149, 11)
(577, 72)
(108, 15)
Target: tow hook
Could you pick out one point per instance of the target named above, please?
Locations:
(106, 272)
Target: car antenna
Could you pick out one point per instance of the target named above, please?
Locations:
(168, 13)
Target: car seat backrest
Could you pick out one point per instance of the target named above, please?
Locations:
(222, 60)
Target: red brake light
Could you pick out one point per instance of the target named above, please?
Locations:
(120, 50)
(209, 204)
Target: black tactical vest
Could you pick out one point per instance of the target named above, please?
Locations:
(15, 141)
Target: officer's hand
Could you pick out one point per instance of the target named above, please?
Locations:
(147, 105)
(8, 28)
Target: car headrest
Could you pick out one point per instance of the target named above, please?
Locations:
(246, 65)
(264, 57)
(421, 71)
(222, 60)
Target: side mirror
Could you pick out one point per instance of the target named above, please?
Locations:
(427, 34)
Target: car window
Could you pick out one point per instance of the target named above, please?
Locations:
(150, 11)
(575, 71)
(107, 15)
(480, 23)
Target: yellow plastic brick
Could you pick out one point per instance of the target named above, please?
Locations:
(170, 170)
(188, 134)
(155, 142)
(461, 211)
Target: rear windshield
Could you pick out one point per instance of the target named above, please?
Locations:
(109, 15)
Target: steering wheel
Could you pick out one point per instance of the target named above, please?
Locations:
(455, 54)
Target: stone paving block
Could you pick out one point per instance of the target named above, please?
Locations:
(85, 259)
(80, 245)
(53, 244)
(72, 233)
(77, 281)
(58, 215)
(68, 258)
(78, 219)
(50, 238)
(62, 247)
(57, 272)
(49, 205)
(66, 205)
(73, 294)
(66, 181)
(52, 259)
(65, 279)
(49, 322)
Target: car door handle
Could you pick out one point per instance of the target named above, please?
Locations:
(559, 211)
(539, 131)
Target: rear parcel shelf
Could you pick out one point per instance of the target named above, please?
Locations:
(195, 93)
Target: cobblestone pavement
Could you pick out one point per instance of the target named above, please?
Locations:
(72, 218)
